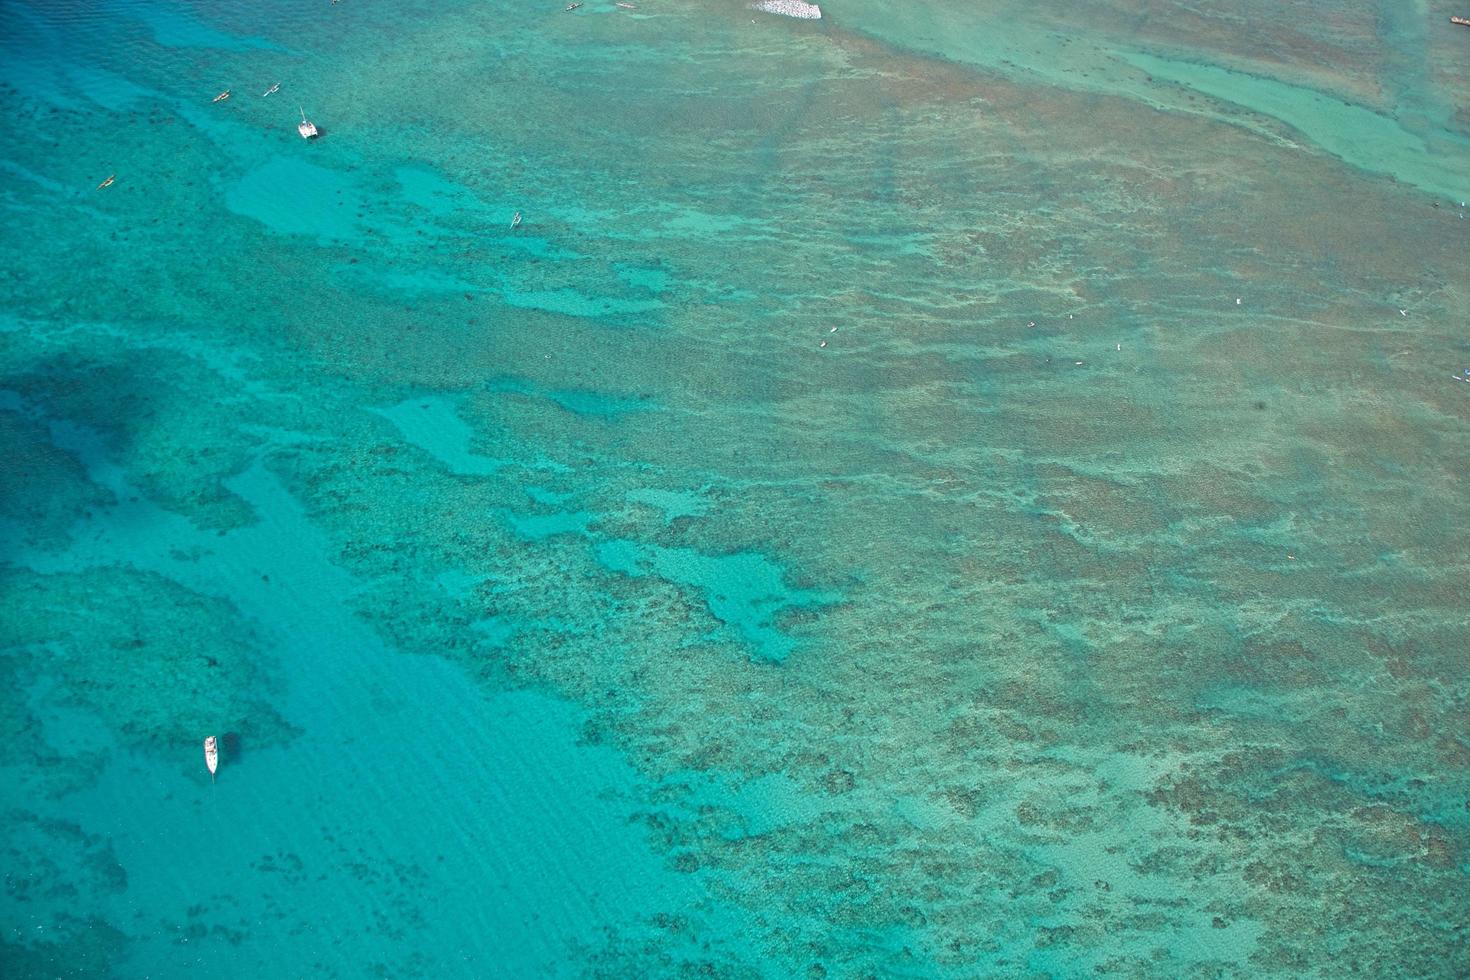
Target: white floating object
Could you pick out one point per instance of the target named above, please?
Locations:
(306, 127)
(789, 8)
(211, 755)
(1237, 301)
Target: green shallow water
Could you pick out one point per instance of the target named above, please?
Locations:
(940, 491)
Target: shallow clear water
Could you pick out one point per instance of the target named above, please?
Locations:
(939, 491)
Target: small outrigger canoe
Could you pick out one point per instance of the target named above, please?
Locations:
(573, 6)
(211, 755)
(625, 6)
(515, 222)
(107, 182)
(1462, 21)
(274, 88)
(222, 96)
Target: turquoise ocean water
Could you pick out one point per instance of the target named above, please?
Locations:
(946, 490)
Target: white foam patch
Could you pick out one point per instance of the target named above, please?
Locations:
(789, 8)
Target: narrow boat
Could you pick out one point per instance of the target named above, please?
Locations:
(273, 89)
(573, 6)
(211, 755)
(222, 96)
(306, 127)
(625, 6)
(107, 182)
(516, 221)
(1462, 21)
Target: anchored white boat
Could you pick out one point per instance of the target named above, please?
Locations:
(306, 127)
(211, 755)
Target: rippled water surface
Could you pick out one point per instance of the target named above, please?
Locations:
(943, 490)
